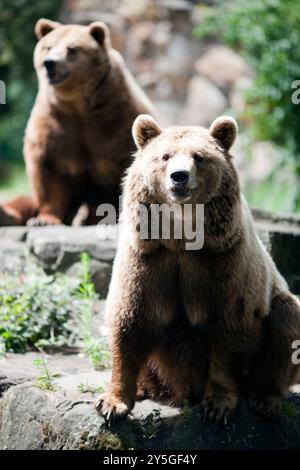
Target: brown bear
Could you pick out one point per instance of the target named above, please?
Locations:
(78, 141)
(210, 325)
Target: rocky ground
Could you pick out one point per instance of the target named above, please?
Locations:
(32, 417)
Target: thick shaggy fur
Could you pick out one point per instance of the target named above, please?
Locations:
(78, 139)
(209, 325)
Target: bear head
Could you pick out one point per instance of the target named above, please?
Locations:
(185, 164)
(67, 55)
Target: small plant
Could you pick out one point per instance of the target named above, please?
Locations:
(186, 408)
(45, 381)
(86, 388)
(151, 423)
(289, 409)
(98, 354)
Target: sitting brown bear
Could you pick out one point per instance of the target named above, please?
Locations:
(209, 325)
(78, 141)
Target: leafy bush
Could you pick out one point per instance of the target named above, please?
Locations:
(267, 33)
(35, 310)
(42, 311)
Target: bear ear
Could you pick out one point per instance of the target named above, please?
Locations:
(144, 129)
(44, 27)
(224, 129)
(100, 32)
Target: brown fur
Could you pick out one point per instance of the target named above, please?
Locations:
(208, 325)
(77, 142)
(18, 211)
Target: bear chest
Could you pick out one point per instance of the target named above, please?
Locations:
(66, 147)
(199, 290)
(86, 147)
(189, 288)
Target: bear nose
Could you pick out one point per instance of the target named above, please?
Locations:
(50, 65)
(179, 177)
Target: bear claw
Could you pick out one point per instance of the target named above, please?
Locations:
(216, 415)
(42, 221)
(218, 409)
(111, 408)
(270, 407)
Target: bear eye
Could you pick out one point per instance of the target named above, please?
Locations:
(166, 157)
(198, 157)
(72, 51)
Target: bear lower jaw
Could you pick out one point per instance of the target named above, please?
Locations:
(58, 78)
(180, 195)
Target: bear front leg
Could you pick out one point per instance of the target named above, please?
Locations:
(274, 371)
(130, 351)
(135, 328)
(51, 195)
(221, 393)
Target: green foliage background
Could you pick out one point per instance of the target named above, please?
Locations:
(267, 33)
(17, 41)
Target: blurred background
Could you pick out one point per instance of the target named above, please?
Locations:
(195, 60)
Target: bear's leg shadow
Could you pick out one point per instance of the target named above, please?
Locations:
(274, 371)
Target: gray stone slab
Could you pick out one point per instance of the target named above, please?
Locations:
(31, 418)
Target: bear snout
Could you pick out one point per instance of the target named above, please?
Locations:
(50, 65)
(56, 71)
(180, 177)
(179, 187)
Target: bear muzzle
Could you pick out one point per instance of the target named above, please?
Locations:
(56, 72)
(179, 185)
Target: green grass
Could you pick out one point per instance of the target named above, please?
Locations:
(274, 196)
(15, 184)
(277, 192)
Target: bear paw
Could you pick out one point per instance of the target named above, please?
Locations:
(111, 407)
(267, 406)
(43, 220)
(218, 408)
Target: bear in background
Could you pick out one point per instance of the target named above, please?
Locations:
(78, 141)
(210, 325)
